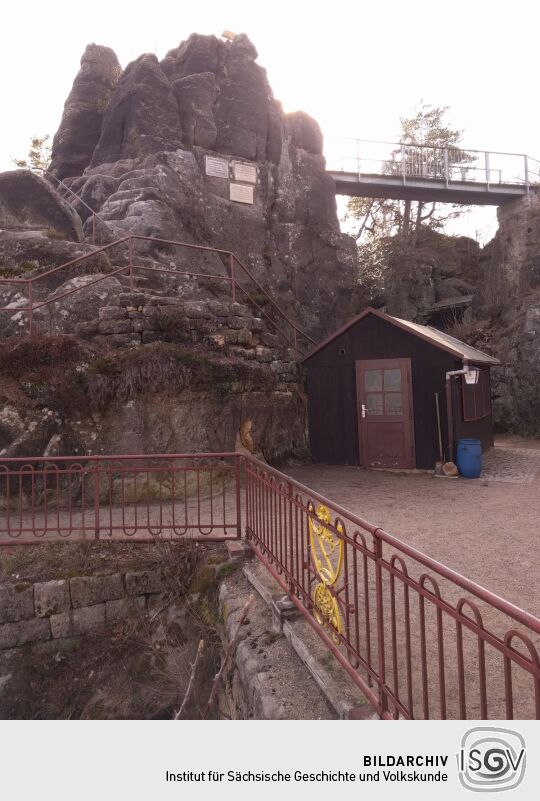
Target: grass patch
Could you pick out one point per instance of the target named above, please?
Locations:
(164, 366)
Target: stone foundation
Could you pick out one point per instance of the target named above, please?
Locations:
(138, 319)
(82, 605)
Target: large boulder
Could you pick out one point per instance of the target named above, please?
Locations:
(142, 116)
(28, 203)
(80, 128)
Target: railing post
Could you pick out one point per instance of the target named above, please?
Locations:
(446, 169)
(403, 164)
(486, 157)
(290, 545)
(526, 160)
(95, 476)
(130, 250)
(383, 701)
(233, 277)
(30, 309)
(239, 461)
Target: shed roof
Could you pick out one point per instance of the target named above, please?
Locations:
(438, 338)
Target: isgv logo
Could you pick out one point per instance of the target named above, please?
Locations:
(491, 759)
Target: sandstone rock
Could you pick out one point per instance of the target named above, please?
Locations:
(263, 354)
(198, 54)
(28, 203)
(80, 128)
(88, 620)
(241, 111)
(16, 602)
(139, 582)
(112, 313)
(142, 116)
(123, 608)
(52, 597)
(196, 96)
(115, 326)
(305, 132)
(89, 590)
(80, 306)
(26, 631)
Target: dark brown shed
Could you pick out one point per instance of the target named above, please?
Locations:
(372, 389)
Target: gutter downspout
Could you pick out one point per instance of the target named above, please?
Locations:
(450, 406)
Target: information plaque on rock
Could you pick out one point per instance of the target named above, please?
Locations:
(218, 168)
(245, 172)
(241, 193)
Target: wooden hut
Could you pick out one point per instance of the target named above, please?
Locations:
(373, 386)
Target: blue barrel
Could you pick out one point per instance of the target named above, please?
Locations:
(469, 457)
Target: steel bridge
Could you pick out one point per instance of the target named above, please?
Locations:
(405, 171)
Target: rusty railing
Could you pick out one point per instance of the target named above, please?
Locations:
(291, 335)
(419, 640)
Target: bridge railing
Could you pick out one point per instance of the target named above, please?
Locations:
(419, 640)
(411, 163)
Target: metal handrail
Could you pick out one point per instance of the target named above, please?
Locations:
(95, 215)
(437, 160)
(130, 269)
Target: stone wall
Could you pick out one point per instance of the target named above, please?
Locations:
(137, 318)
(83, 605)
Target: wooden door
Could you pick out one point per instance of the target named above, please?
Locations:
(385, 413)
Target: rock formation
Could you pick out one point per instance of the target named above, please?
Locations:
(148, 174)
(80, 128)
(29, 205)
(508, 303)
(194, 149)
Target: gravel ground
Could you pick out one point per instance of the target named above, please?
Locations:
(485, 529)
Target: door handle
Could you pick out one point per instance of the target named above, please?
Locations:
(364, 411)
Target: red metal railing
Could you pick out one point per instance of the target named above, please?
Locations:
(420, 640)
(121, 497)
(291, 335)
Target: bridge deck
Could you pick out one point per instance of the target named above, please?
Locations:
(426, 189)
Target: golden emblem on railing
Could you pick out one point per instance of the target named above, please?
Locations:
(327, 555)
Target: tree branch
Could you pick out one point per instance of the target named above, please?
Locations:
(191, 683)
(227, 656)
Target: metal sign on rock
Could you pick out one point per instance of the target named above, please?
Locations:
(245, 172)
(216, 167)
(241, 193)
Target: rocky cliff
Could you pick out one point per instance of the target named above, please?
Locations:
(194, 149)
(489, 297)
(507, 304)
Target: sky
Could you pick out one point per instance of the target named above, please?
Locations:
(357, 67)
